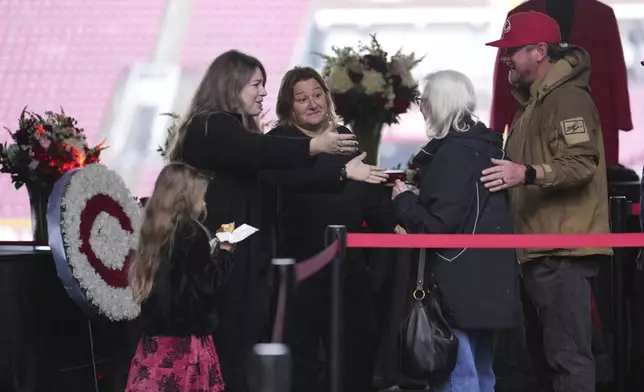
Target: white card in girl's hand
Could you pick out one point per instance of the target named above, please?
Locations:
(238, 235)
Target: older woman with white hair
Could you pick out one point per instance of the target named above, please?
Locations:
(479, 288)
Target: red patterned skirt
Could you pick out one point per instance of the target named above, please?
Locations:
(175, 364)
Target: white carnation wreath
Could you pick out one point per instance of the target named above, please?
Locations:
(99, 221)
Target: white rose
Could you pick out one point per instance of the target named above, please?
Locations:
(407, 79)
(339, 81)
(12, 152)
(397, 67)
(354, 65)
(373, 82)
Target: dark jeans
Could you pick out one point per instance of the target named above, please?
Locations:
(559, 328)
(309, 325)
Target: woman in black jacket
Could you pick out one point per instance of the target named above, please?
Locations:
(222, 139)
(479, 287)
(305, 110)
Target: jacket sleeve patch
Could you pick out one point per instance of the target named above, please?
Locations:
(575, 130)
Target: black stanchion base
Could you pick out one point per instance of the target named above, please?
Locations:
(270, 368)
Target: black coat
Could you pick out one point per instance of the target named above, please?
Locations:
(479, 287)
(182, 300)
(308, 204)
(220, 146)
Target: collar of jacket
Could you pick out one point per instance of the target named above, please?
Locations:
(427, 152)
(573, 69)
(238, 116)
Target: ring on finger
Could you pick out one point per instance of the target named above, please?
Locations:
(503, 181)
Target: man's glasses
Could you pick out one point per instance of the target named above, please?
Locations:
(509, 52)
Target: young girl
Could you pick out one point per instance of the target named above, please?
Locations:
(175, 275)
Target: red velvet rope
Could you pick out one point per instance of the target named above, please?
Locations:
(310, 266)
(303, 270)
(495, 241)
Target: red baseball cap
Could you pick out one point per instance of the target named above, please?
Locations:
(528, 28)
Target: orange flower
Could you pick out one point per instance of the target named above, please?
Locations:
(40, 130)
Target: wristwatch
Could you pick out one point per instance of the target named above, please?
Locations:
(343, 174)
(530, 175)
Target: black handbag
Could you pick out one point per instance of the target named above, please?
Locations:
(427, 346)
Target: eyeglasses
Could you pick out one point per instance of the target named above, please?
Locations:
(509, 52)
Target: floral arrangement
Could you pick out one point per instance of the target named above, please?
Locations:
(170, 135)
(367, 83)
(93, 229)
(45, 147)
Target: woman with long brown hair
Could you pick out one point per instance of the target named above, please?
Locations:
(220, 136)
(175, 275)
(305, 109)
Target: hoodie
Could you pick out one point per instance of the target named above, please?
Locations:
(457, 161)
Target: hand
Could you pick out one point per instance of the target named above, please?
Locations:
(227, 246)
(360, 171)
(332, 142)
(503, 175)
(399, 230)
(399, 187)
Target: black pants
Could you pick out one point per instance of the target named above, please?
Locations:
(559, 327)
(308, 325)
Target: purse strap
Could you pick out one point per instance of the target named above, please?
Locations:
(420, 279)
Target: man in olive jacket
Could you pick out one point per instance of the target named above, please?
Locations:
(556, 176)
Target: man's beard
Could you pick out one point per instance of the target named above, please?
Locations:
(512, 76)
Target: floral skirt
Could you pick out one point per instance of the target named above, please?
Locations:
(175, 364)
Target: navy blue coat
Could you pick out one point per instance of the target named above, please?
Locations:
(479, 287)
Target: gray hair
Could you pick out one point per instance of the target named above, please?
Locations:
(449, 98)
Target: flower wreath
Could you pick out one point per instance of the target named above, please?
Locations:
(93, 223)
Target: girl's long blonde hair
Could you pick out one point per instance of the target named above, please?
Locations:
(178, 194)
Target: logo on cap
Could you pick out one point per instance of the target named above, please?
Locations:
(507, 26)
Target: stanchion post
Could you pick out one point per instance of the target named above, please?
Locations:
(618, 215)
(285, 292)
(336, 233)
(270, 369)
